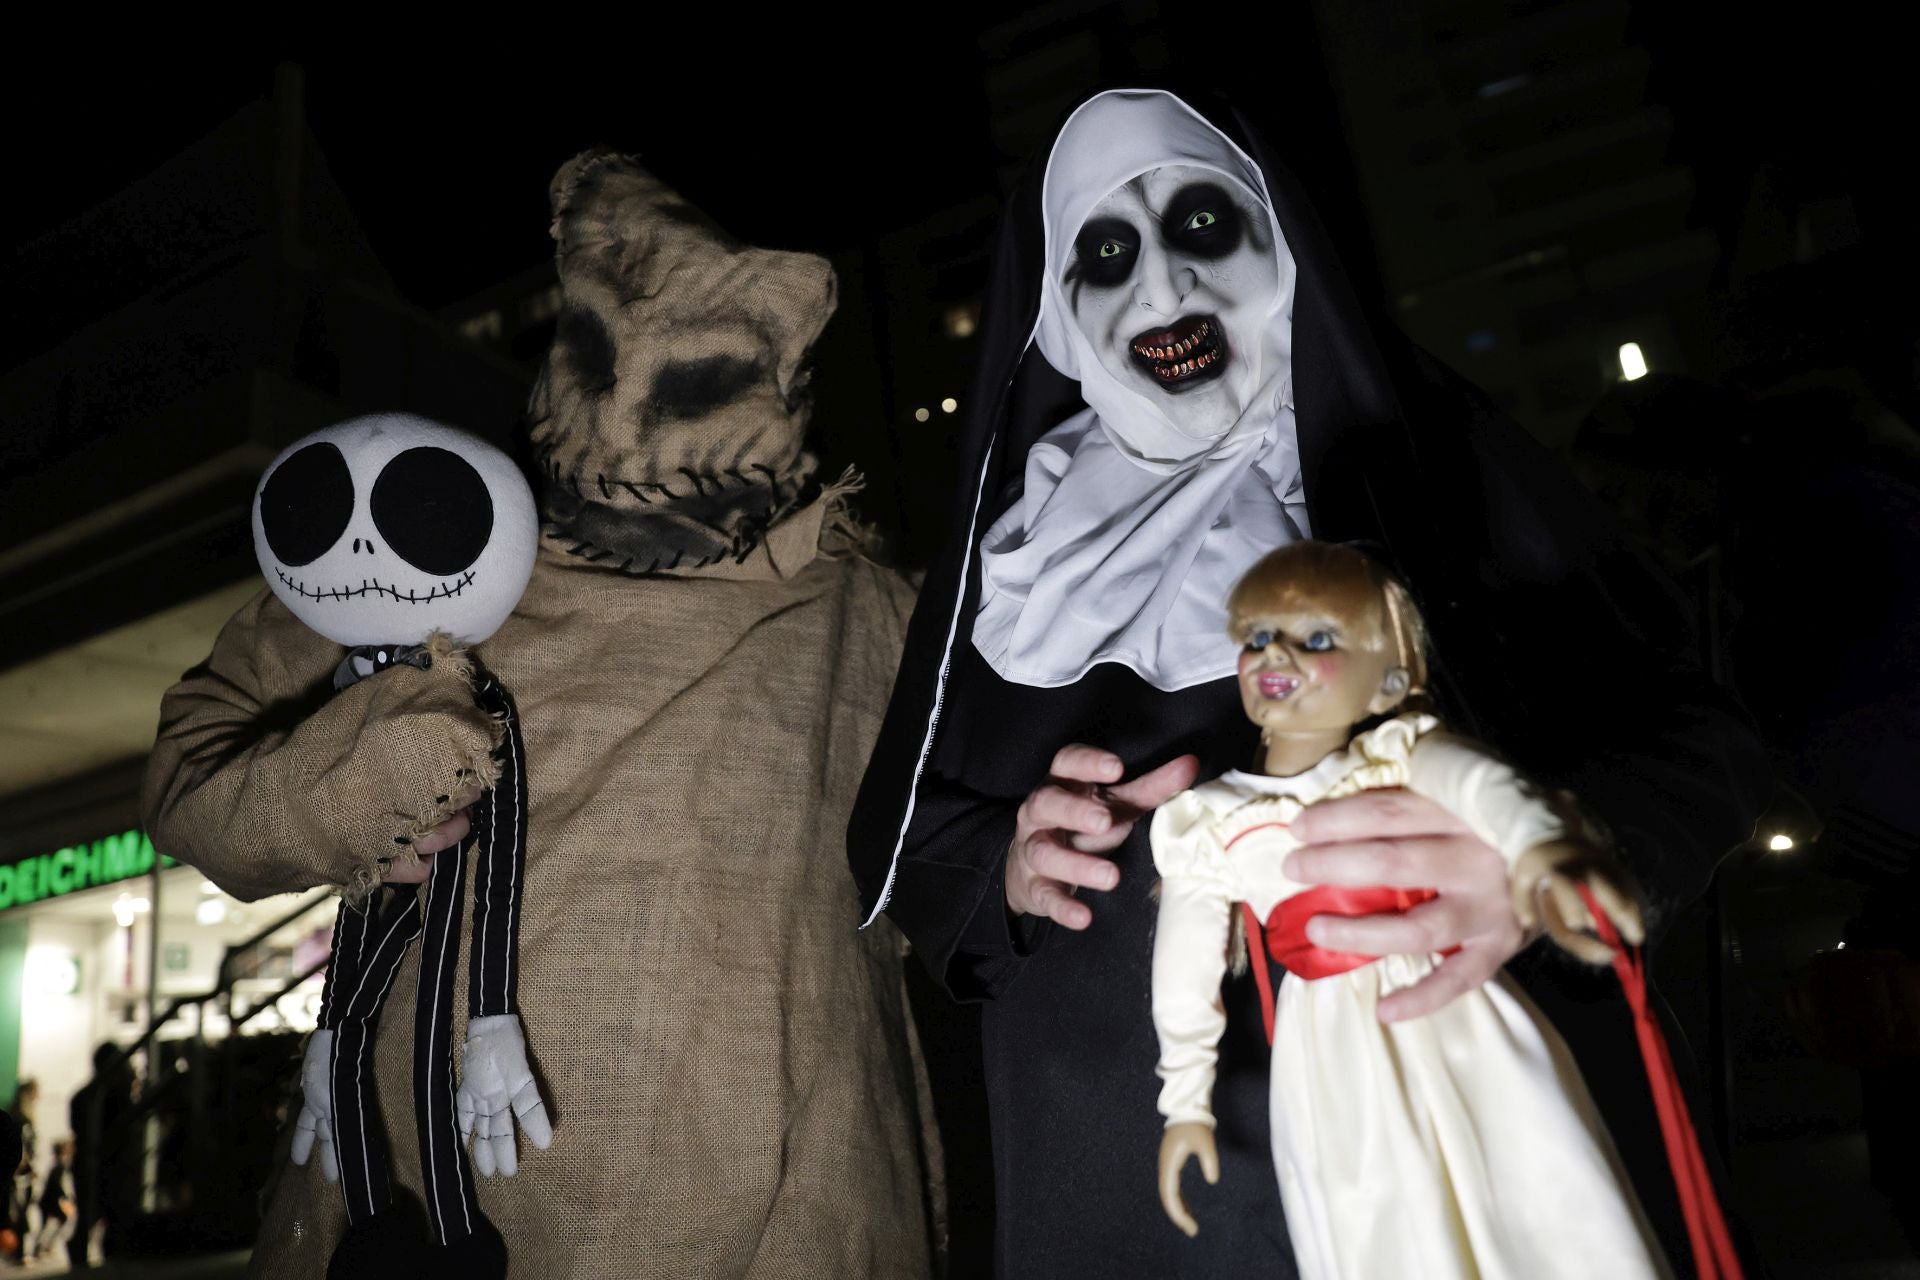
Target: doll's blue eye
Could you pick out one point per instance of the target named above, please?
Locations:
(1319, 642)
(1259, 639)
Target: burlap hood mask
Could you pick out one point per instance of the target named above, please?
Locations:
(671, 415)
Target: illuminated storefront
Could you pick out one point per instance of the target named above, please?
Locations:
(94, 938)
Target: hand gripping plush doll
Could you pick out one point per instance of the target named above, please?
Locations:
(1460, 1144)
(407, 541)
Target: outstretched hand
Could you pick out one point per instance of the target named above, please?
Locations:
(497, 1088)
(1083, 809)
(1402, 840)
(1180, 1143)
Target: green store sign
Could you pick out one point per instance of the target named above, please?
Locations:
(80, 866)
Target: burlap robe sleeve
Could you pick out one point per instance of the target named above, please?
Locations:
(268, 782)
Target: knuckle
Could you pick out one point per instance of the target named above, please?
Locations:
(1390, 806)
(1395, 860)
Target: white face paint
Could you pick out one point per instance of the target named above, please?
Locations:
(384, 529)
(1172, 280)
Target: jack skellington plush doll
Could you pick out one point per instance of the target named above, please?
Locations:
(406, 541)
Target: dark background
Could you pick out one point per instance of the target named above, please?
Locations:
(1522, 186)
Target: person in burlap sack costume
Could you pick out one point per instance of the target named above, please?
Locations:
(701, 661)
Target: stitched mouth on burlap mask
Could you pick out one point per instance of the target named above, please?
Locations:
(667, 529)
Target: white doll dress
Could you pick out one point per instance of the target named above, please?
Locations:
(1457, 1146)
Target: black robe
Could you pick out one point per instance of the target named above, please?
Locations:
(1553, 638)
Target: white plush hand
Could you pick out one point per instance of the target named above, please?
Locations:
(496, 1085)
(316, 1106)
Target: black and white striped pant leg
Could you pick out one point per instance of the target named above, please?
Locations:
(500, 866)
(451, 1206)
(367, 954)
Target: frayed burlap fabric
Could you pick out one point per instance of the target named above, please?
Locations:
(701, 668)
(729, 1064)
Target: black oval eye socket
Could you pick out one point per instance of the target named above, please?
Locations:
(306, 503)
(1103, 252)
(1203, 220)
(433, 509)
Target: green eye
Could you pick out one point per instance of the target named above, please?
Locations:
(1259, 639)
(1200, 221)
(1319, 642)
(1110, 249)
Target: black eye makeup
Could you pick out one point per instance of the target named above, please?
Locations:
(1203, 220)
(1103, 253)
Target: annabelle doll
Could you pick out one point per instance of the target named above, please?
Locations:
(1461, 1144)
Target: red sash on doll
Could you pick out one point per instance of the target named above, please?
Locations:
(1285, 933)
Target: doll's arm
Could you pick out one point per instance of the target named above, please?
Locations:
(1189, 960)
(269, 783)
(1189, 1017)
(1547, 862)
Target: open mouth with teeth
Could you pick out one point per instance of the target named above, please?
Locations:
(1193, 350)
(1274, 685)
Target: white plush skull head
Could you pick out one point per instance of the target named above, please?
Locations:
(384, 529)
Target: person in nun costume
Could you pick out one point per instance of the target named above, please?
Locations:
(1175, 377)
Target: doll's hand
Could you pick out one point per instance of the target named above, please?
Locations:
(315, 1123)
(497, 1085)
(1546, 895)
(1402, 840)
(1178, 1144)
(1076, 814)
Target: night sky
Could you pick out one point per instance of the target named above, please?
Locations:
(805, 133)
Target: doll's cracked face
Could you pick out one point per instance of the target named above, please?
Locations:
(1307, 670)
(1171, 281)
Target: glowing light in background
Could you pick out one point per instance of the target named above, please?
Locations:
(921, 415)
(53, 971)
(211, 911)
(1780, 843)
(949, 405)
(960, 321)
(1633, 362)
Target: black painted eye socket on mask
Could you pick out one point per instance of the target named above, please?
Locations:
(306, 503)
(1203, 220)
(433, 509)
(1103, 252)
